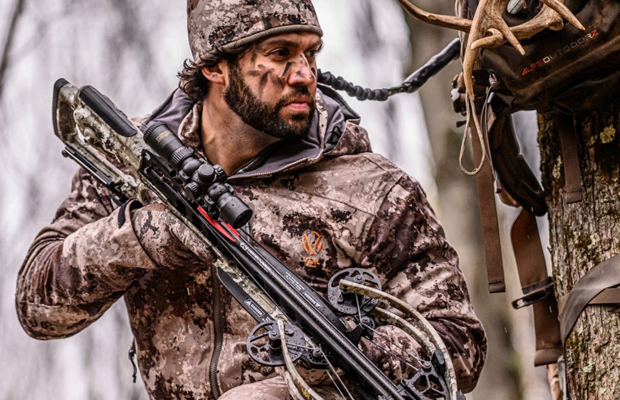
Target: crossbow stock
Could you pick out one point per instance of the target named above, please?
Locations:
(296, 324)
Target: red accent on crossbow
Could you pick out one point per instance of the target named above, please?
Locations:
(218, 226)
(233, 230)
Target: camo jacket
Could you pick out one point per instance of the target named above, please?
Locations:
(321, 205)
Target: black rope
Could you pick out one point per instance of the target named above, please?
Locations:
(352, 90)
(413, 83)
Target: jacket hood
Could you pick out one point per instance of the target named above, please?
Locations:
(335, 131)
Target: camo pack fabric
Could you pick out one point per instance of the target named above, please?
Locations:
(570, 70)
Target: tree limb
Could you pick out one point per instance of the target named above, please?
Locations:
(8, 44)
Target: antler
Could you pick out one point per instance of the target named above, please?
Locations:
(551, 16)
(488, 28)
(445, 21)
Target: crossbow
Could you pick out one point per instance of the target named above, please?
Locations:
(296, 325)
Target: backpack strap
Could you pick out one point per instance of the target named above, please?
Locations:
(570, 158)
(486, 185)
(537, 288)
(594, 288)
(489, 221)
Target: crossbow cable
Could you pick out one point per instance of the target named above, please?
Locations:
(422, 331)
(294, 381)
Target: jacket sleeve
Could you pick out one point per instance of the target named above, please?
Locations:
(408, 248)
(79, 265)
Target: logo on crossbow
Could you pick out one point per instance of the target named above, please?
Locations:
(313, 245)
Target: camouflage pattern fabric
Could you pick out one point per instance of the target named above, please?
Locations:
(273, 389)
(220, 25)
(347, 208)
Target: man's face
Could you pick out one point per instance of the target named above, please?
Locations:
(272, 86)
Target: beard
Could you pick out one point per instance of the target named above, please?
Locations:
(266, 117)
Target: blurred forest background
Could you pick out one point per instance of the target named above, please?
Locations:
(131, 51)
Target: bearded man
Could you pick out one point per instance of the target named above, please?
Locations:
(323, 202)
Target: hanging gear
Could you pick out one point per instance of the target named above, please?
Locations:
(560, 69)
(566, 71)
(564, 67)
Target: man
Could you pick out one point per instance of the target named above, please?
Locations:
(323, 202)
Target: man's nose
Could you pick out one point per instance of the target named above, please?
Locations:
(302, 74)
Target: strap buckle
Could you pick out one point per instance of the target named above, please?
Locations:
(534, 293)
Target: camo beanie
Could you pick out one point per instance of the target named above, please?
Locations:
(216, 26)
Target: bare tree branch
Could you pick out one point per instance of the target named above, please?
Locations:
(8, 44)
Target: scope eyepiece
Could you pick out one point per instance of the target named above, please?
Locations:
(167, 145)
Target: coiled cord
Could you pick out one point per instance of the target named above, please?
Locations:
(339, 83)
(413, 83)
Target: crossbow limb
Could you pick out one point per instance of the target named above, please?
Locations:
(419, 328)
(301, 387)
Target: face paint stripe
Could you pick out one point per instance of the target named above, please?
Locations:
(263, 82)
(287, 69)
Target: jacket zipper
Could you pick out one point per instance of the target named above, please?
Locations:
(218, 335)
(291, 165)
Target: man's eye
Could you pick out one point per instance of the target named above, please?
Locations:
(280, 53)
(314, 52)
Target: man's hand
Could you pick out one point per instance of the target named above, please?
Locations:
(393, 351)
(133, 239)
(166, 240)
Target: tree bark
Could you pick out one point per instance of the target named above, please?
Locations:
(583, 235)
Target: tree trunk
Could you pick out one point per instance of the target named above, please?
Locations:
(583, 235)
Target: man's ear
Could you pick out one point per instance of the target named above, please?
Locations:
(218, 74)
